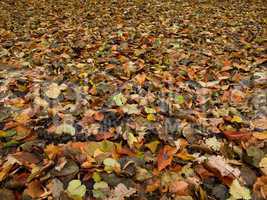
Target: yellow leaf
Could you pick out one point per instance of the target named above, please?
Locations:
(263, 165)
(52, 151)
(239, 192)
(151, 117)
(22, 118)
(237, 119)
(153, 146)
(185, 156)
(260, 135)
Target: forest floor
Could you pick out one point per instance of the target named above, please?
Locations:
(141, 99)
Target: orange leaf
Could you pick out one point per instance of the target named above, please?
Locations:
(179, 187)
(52, 151)
(260, 135)
(140, 78)
(185, 156)
(165, 157)
(153, 186)
(99, 116)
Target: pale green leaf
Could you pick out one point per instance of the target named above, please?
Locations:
(119, 99)
(76, 190)
(239, 192)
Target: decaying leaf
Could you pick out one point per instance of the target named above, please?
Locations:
(56, 187)
(130, 109)
(65, 128)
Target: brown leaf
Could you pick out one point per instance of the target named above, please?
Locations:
(34, 189)
(260, 186)
(26, 158)
(203, 172)
(165, 157)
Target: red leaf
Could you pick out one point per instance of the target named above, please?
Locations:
(236, 135)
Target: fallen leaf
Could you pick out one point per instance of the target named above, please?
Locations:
(111, 165)
(6, 194)
(34, 189)
(179, 187)
(65, 128)
(151, 117)
(142, 174)
(52, 151)
(120, 192)
(53, 91)
(99, 116)
(130, 109)
(153, 185)
(184, 155)
(101, 190)
(7, 167)
(22, 118)
(165, 157)
(140, 78)
(263, 165)
(213, 143)
(150, 110)
(236, 119)
(76, 190)
(152, 145)
(179, 99)
(239, 192)
(236, 135)
(119, 99)
(218, 163)
(56, 187)
(260, 135)
(260, 187)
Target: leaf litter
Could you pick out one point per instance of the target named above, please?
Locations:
(133, 100)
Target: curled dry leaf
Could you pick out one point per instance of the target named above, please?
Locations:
(121, 192)
(219, 164)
